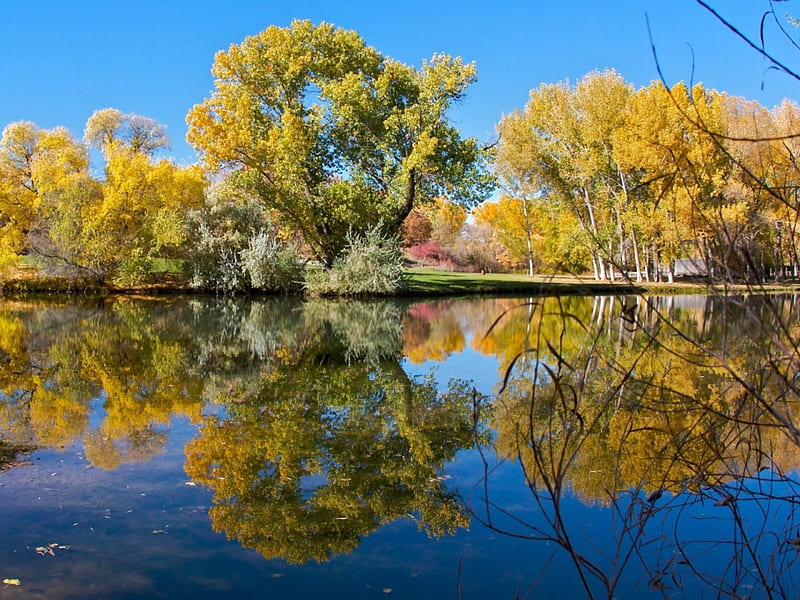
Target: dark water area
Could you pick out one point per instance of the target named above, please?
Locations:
(487, 448)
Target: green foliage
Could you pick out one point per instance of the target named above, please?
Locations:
(135, 268)
(371, 265)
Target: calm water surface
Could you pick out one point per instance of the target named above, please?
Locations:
(490, 448)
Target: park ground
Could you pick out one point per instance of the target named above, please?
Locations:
(419, 282)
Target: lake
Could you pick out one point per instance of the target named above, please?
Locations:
(582, 447)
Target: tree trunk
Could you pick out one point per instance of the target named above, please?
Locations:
(528, 234)
(408, 205)
(636, 258)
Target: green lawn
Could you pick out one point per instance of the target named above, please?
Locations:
(434, 282)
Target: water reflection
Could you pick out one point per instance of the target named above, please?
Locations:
(332, 441)
(676, 418)
(668, 416)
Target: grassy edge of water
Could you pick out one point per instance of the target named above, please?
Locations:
(418, 282)
(431, 282)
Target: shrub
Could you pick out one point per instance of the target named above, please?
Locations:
(214, 262)
(430, 253)
(371, 265)
(234, 248)
(271, 265)
(134, 269)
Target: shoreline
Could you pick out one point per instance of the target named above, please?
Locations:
(420, 283)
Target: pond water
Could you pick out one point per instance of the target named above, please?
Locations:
(472, 448)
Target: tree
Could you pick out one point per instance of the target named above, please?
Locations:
(447, 220)
(335, 136)
(140, 208)
(417, 228)
(110, 126)
(42, 174)
(561, 148)
(111, 228)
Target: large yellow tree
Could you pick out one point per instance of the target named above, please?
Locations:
(334, 136)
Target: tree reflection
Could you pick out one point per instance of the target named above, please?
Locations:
(625, 408)
(334, 441)
(58, 362)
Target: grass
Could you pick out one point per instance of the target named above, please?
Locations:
(27, 277)
(431, 282)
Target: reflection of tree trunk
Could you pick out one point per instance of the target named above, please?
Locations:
(601, 312)
(406, 388)
(708, 313)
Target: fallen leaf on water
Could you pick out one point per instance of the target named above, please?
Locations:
(159, 531)
(45, 550)
(724, 501)
(387, 590)
(11, 581)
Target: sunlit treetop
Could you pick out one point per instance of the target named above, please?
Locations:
(335, 136)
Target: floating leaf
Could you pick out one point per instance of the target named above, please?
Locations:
(11, 581)
(158, 531)
(724, 501)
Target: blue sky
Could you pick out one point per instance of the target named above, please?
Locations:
(61, 60)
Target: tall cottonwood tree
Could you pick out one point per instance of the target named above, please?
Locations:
(560, 147)
(333, 135)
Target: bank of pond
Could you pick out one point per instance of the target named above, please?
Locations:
(578, 446)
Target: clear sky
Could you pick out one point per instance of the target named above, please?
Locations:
(61, 60)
